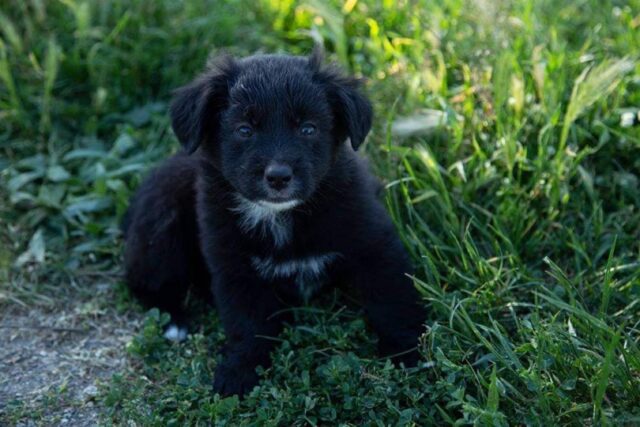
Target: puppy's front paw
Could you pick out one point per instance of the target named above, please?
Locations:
(409, 359)
(175, 333)
(229, 380)
(402, 349)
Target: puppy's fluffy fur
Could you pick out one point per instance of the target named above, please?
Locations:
(265, 205)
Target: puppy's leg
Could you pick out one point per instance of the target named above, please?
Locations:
(162, 255)
(249, 311)
(391, 301)
(162, 260)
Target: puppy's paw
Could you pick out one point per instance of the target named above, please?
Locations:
(409, 359)
(401, 351)
(175, 333)
(229, 380)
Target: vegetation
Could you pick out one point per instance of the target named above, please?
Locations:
(507, 133)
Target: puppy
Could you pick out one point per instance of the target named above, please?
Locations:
(266, 204)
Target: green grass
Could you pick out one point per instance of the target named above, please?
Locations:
(515, 190)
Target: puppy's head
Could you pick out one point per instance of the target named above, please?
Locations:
(272, 124)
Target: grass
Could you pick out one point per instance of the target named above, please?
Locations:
(510, 175)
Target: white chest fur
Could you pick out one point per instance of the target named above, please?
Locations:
(266, 218)
(307, 272)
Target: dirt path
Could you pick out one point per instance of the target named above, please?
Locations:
(51, 362)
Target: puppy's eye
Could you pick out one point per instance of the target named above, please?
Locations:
(308, 129)
(244, 131)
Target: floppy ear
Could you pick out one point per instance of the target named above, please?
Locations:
(351, 109)
(196, 107)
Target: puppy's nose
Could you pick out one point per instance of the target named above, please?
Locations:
(278, 175)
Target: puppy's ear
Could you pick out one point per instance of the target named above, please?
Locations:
(196, 107)
(351, 109)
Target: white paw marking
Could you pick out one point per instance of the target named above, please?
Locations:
(175, 333)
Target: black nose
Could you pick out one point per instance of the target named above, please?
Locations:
(278, 175)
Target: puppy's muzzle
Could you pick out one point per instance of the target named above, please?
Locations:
(278, 176)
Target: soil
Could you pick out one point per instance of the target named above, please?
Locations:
(52, 361)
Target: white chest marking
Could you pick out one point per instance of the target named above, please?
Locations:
(266, 217)
(307, 272)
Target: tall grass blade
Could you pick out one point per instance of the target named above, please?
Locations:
(603, 379)
(592, 85)
(10, 34)
(51, 65)
(6, 77)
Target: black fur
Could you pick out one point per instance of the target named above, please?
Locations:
(190, 222)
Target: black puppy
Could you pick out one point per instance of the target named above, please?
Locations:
(266, 204)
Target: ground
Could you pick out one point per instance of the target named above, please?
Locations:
(507, 134)
(52, 362)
